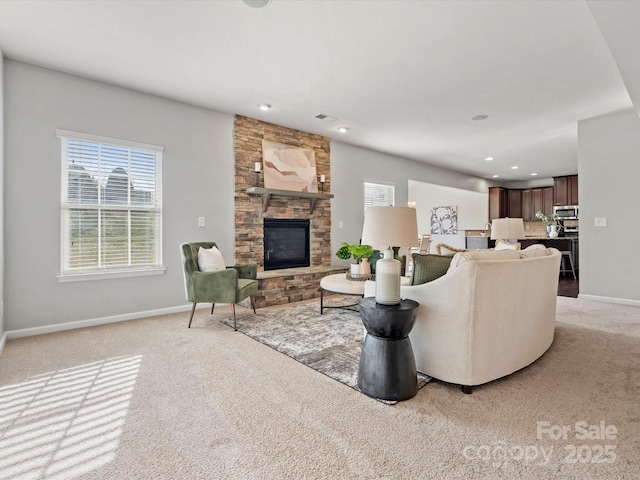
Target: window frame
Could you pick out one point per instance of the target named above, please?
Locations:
(379, 185)
(94, 272)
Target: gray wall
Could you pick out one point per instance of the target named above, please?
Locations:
(198, 181)
(609, 169)
(198, 172)
(2, 329)
(351, 166)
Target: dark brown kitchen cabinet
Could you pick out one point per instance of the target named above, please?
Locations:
(573, 190)
(565, 190)
(561, 190)
(520, 203)
(542, 201)
(527, 205)
(498, 203)
(547, 200)
(515, 203)
(537, 206)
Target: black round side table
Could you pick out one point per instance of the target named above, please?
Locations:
(387, 367)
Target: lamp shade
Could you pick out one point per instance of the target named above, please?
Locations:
(390, 227)
(507, 228)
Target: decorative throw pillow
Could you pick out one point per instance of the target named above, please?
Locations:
(428, 267)
(503, 245)
(443, 249)
(461, 258)
(210, 260)
(535, 250)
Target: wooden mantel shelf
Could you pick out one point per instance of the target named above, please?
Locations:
(266, 194)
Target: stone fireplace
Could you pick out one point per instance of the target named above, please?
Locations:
(286, 243)
(291, 284)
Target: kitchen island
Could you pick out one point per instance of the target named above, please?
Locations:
(564, 244)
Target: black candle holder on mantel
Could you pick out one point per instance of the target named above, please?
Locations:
(257, 179)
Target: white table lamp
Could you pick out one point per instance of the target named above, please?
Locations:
(389, 227)
(507, 229)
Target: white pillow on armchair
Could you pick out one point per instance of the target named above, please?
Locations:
(210, 259)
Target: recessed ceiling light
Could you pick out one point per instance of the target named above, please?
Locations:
(257, 3)
(488, 159)
(515, 167)
(534, 174)
(264, 107)
(343, 129)
(479, 117)
(495, 176)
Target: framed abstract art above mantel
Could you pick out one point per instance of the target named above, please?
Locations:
(287, 167)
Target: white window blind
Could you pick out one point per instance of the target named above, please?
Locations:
(378, 195)
(111, 204)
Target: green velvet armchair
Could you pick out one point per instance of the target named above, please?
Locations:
(231, 285)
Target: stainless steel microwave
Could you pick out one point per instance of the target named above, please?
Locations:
(566, 212)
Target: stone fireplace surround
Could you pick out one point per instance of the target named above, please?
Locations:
(289, 285)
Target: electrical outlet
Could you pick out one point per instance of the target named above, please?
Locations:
(201, 221)
(600, 221)
(340, 225)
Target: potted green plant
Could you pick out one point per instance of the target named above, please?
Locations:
(360, 254)
(551, 221)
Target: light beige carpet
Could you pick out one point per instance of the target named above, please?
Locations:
(152, 399)
(330, 343)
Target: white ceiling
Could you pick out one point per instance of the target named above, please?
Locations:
(404, 76)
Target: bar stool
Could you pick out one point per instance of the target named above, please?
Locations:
(563, 269)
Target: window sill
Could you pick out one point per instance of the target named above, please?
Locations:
(107, 274)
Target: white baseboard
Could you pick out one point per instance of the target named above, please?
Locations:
(597, 298)
(28, 332)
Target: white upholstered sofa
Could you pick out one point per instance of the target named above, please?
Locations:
(491, 314)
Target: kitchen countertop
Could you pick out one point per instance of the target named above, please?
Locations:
(536, 237)
(573, 236)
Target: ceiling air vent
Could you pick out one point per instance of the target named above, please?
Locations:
(326, 118)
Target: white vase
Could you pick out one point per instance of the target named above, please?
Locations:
(388, 280)
(553, 231)
(355, 269)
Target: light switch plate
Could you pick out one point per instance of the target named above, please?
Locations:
(600, 222)
(201, 221)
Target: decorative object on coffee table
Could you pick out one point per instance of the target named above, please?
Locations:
(361, 254)
(387, 367)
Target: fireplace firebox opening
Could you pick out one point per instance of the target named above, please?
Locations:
(286, 243)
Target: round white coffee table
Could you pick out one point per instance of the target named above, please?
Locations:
(339, 283)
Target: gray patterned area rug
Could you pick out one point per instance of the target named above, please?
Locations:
(329, 343)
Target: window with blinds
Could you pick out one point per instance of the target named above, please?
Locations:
(378, 195)
(111, 204)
